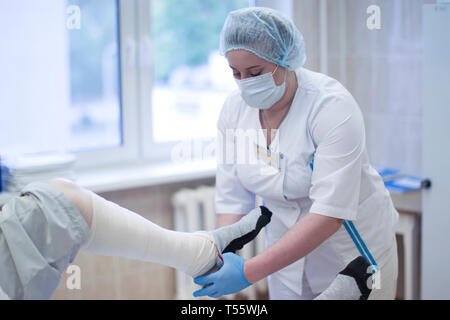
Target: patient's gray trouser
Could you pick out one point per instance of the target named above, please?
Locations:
(41, 232)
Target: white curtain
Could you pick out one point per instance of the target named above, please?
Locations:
(382, 68)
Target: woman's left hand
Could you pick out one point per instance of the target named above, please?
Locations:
(227, 280)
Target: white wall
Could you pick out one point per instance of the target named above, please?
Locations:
(34, 78)
(382, 68)
(435, 281)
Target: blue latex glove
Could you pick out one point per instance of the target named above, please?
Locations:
(228, 279)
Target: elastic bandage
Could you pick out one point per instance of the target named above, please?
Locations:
(117, 231)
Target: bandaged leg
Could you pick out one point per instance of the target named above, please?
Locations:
(116, 231)
(233, 237)
(350, 283)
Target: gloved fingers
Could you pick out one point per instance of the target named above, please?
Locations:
(204, 280)
(206, 291)
(216, 295)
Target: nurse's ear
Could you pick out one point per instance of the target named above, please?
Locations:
(282, 74)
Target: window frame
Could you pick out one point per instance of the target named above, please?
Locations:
(128, 151)
(151, 151)
(136, 77)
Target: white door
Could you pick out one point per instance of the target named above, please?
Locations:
(435, 265)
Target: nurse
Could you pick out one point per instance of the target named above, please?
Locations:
(312, 168)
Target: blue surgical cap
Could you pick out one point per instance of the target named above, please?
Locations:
(266, 33)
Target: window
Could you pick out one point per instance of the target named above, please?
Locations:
(190, 79)
(113, 81)
(60, 79)
(94, 75)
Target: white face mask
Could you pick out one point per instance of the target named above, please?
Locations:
(261, 92)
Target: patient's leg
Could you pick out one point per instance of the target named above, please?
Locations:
(80, 197)
(233, 237)
(116, 231)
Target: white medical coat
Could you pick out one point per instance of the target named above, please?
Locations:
(324, 125)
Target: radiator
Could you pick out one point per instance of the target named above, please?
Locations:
(193, 211)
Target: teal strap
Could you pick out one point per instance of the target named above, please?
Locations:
(360, 245)
(354, 234)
